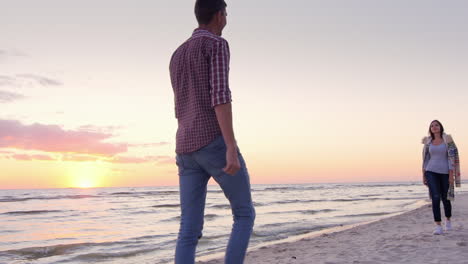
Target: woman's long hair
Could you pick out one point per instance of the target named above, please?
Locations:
(441, 129)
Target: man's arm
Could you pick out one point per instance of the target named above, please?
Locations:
(221, 102)
(224, 116)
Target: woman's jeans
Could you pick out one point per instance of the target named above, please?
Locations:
(195, 169)
(438, 189)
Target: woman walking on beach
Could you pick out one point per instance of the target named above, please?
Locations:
(441, 170)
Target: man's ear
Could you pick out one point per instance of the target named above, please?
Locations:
(216, 17)
(219, 15)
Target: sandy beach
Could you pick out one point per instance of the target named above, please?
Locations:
(403, 238)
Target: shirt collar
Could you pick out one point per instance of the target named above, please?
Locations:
(199, 31)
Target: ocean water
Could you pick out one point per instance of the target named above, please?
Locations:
(139, 225)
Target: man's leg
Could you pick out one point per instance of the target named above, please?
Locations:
(192, 183)
(236, 188)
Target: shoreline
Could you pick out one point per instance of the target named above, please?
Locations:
(384, 240)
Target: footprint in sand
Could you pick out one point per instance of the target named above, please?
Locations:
(461, 244)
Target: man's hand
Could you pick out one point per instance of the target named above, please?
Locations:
(232, 162)
(224, 116)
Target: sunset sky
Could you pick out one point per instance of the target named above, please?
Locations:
(323, 91)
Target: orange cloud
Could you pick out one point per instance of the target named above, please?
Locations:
(145, 145)
(120, 159)
(166, 160)
(73, 157)
(146, 159)
(128, 160)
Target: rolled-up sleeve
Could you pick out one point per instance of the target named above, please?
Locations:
(219, 74)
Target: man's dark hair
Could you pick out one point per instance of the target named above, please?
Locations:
(206, 9)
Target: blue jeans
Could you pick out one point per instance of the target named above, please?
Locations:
(195, 169)
(438, 188)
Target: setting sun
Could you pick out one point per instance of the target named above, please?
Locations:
(87, 174)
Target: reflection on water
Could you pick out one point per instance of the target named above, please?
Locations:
(139, 225)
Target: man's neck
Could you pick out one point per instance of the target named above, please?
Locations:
(210, 28)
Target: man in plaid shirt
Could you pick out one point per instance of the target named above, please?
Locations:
(205, 143)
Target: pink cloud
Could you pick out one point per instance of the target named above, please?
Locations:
(42, 157)
(21, 157)
(52, 138)
(31, 157)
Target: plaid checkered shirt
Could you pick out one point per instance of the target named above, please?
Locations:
(199, 71)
